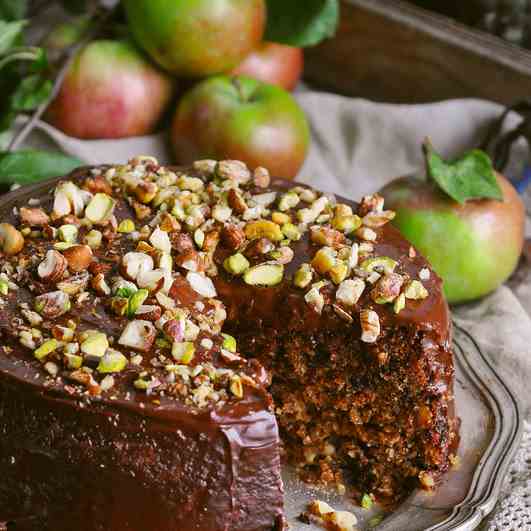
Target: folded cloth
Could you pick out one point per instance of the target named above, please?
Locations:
(359, 146)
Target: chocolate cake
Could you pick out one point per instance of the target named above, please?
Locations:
(169, 334)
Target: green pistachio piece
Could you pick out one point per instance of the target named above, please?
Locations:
(141, 384)
(46, 348)
(400, 303)
(162, 342)
(236, 386)
(366, 501)
(199, 237)
(112, 361)
(291, 231)
(229, 343)
(4, 287)
(119, 305)
(303, 276)
(264, 275)
(347, 224)
(126, 226)
(73, 361)
(125, 289)
(136, 300)
(94, 238)
(415, 290)
(288, 200)
(68, 233)
(379, 263)
(100, 208)
(236, 264)
(95, 344)
(183, 352)
(62, 246)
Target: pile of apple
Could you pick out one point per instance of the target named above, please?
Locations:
(238, 105)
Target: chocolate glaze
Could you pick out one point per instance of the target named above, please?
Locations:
(91, 463)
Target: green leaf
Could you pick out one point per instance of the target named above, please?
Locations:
(301, 23)
(13, 9)
(9, 34)
(31, 92)
(30, 166)
(470, 177)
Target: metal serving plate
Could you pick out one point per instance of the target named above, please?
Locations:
(491, 429)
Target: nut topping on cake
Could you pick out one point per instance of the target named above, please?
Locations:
(147, 244)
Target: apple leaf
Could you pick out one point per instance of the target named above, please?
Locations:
(303, 23)
(470, 177)
(13, 9)
(9, 34)
(30, 166)
(31, 92)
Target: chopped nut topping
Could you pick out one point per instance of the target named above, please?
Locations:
(415, 290)
(370, 326)
(350, 291)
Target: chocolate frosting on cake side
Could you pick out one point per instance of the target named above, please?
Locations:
(133, 461)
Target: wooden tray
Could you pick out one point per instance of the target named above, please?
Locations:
(389, 50)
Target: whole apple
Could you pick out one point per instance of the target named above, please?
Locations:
(197, 38)
(241, 118)
(474, 247)
(273, 63)
(111, 90)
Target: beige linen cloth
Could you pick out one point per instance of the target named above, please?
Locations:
(357, 147)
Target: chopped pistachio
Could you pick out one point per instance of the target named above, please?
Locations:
(73, 361)
(126, 226)
(280, 218)
(236, 386)
(291, 231)
(324, 260)
(199, 238)
(229, 343)
(346, 224)
(183, 351)
(100, 208)
(380, 264)
(264, 275)
(4, 287)
(400, 303)
(46, 348)
(415, 290)
(62, 246)
(136, 300)
(112, 361)
(338, 273)
(94, 239)
(67, 233)
(366, 501)
(303, 276)
(236, 264)
(315, 299)
(288, 200)
(263, 228)
(141, 384)
(95, 344)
